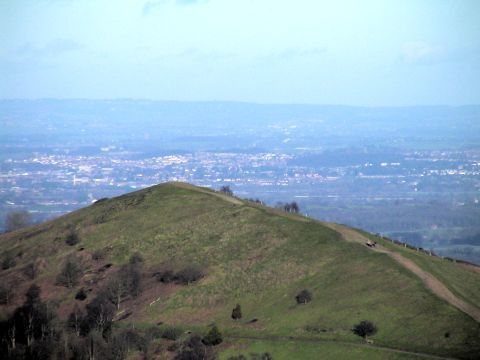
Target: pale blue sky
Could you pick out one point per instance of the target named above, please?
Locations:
(403, 52)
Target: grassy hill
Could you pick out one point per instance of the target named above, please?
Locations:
(260, 258)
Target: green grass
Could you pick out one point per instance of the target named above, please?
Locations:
(287, 350)
(461, 281)
(260, 258)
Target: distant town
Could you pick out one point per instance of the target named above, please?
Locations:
(421, 187)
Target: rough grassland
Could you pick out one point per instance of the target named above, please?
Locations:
(260, 258)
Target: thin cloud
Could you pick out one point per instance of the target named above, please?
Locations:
(418, 52)
(53, 47)
(153, 5)
(292, 53)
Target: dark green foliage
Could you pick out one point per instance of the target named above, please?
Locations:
(8, 260)
(72, 238)
(81, 294)
(213, 337)
(239, 357)
(237, 312)
(171, 333)
(189, 275)
(365, 328)
(166, 276)
(192, 349)
(304, 297)
(71, 273)
(186, 276)
(17, 220)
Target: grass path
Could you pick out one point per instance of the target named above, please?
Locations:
(319, 341)
(431, 282)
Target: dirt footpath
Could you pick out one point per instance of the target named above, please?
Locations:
(431, 282)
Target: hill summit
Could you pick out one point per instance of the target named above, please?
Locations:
(176, 258)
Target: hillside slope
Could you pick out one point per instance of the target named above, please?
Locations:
(260, 258)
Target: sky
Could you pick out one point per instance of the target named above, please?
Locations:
(367, 53)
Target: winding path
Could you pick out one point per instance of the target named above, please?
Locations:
(430, 281)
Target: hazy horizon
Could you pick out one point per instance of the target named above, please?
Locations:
(370, 53)
(239, 102)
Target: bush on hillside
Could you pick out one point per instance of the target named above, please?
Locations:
(304, 297)
(166, 276)
(186, 276)
(71, 273)
(171, 333)
(192, 349)
(237, 312)
(213, 337)
(81, 294)
(365, 328)
(72, 238)
(8, 261)
(99, 254)
(189, 275)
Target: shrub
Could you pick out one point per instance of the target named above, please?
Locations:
(304, 297)
(365, 328)
(189, 275)
(237, 312)
(99, 254)
(8, 261)
(166, 276)
(192, 349)
(213, 337)
(70, 273)
(72, 238)
(171, 333)
(81, 294)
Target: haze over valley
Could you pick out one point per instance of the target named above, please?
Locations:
(409, 173)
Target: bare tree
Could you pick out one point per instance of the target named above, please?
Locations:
(70, 273)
